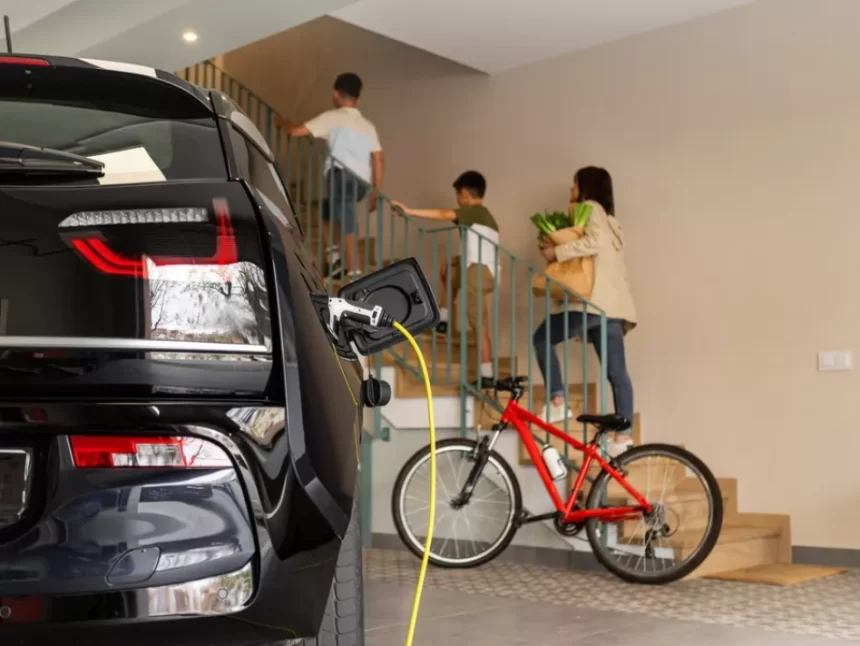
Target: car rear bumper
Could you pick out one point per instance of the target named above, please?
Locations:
(218, 595)
(171, 557)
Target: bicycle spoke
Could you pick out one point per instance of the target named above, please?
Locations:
(466, 529)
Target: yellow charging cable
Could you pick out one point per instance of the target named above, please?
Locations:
(425, 560)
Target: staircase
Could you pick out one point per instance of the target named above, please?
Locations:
(747, 539)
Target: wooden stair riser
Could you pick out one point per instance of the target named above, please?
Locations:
(732, 554)
(687, 508)
(409, 386)
(778, 523)
(439, 354)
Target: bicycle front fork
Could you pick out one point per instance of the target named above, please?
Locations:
(481, 456)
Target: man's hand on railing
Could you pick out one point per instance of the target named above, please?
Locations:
(292, 129)
(398, 208)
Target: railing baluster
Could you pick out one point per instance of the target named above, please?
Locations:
(434, 280)
(322, 203)
(548, 350)
(603, 364)
(531, 326)
(513, 330)
(566, 354)
(496, 271)
(585, 407)
(479, 332)
(366, 265)
(464, 331)
(448, 296)
(298, 178)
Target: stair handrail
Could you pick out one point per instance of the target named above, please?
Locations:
(299, 175)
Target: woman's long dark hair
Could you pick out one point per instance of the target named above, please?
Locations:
(596, 184)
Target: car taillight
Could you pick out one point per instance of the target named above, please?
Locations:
(26, 61)
(108, 452)
(96, 251)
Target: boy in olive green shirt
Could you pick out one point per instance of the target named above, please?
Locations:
(482, 239)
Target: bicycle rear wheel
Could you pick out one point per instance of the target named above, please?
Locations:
(465, 535)
(681, 531)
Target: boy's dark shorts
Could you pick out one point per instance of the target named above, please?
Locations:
(344, 194)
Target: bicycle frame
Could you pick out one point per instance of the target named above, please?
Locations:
(520, 418)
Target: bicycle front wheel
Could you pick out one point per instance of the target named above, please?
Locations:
(681, 531)
(464, 535)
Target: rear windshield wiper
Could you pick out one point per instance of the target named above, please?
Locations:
(21, 159)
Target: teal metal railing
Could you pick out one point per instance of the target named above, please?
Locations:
(510, 311)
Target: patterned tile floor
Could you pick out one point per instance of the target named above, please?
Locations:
(825, 611)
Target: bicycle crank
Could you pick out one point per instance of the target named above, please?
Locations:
(568, 529)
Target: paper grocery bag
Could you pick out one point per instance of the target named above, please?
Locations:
(576, 274)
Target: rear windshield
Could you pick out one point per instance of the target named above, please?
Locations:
(152, 285)
(142, 129)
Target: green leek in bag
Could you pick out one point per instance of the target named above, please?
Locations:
(581, 214)
(548, 223)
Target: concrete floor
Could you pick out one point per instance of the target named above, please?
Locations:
(481, 612)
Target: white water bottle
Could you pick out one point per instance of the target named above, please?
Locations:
(554, 464)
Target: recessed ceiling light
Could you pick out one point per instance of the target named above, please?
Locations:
(190, 36)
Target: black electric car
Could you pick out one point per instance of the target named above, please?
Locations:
(178, 437)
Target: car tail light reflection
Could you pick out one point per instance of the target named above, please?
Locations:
(110, 452)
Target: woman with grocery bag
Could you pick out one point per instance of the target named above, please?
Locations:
(587, 257)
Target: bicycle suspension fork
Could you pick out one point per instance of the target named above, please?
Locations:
(481, 456)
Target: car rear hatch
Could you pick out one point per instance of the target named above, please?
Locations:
(134, 328)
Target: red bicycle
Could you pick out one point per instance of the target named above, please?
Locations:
(481, 509)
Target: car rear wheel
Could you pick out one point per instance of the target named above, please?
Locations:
(343, 623)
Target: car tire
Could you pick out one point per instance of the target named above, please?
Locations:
(343, 622)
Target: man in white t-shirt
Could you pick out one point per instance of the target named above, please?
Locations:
(355, 164)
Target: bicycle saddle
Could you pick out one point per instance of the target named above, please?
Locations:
(606, 422)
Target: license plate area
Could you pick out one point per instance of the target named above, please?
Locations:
(16, 466)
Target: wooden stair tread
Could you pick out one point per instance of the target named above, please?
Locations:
(780, 574)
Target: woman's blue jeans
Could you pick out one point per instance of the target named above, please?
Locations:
(552, 332)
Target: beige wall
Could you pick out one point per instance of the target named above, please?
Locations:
(293, 71)
(735, 146)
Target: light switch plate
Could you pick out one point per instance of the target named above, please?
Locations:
(839, 361)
